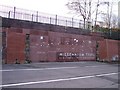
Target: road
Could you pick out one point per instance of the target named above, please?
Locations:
(60, 75)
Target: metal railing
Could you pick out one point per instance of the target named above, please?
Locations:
(36, 16)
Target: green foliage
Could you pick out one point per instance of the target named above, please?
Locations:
(105, 30)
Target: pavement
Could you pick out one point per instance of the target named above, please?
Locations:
(87, 74)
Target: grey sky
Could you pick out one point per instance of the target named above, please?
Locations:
(49, 6)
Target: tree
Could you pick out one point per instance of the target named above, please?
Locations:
(82, 8)
(110, 22)
(107, 16)
(114, 21)
(105, 19)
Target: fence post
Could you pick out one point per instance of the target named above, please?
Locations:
(72, 22)
(9, 14)
(79, 24)
(56, 20)
(50, 20)
(110, 32)
(32, 17)
(37, 17)
(66, 23)
(14, 11)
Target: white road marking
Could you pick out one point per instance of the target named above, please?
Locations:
(6, 70)
(38, 69)
(57, 80)
(95, 66)
(44, 68)
(91, 66)
(106, 74)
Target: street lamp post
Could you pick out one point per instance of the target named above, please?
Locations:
(96, 13)
(98, 4)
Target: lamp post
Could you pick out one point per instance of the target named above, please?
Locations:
(96, 13)
(119, 14)
(98, 4)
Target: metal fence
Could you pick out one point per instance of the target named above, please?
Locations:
(36, 16)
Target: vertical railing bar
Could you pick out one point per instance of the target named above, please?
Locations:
(9, 14)
(56, 20)
(14, 12)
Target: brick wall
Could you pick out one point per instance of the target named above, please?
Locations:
(54, 43)
(15, 43)
(109, 50)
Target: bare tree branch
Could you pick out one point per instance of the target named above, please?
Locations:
(81, 7)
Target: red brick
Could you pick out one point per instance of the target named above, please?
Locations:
(15, 47)
(108, 49)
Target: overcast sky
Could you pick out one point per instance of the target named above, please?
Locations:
(48, 6)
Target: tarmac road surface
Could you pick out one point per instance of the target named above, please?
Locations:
(60, 75)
